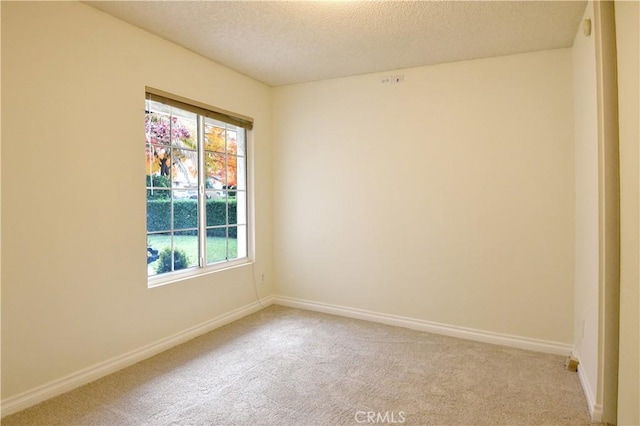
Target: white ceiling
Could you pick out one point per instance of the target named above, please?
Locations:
(285, 42)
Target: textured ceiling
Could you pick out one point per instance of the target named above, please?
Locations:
(281, 43)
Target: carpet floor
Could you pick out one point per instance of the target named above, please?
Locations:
(283, 366)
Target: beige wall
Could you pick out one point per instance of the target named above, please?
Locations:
(585, 119)
(627, 16)
(74, 285)
(447, 198)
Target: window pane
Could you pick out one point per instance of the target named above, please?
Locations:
(185, 209)
(216, 245)
(215, 169)
(215, 194)
(214, 137)
(238, 208)
(157, 128)
(232, 210)
(158, 160)
(169, 259)
(232, 144)
(185, 168)
(217, 210)
(159, 182)
(241, 172)
(184, 129)
(156, 243)
(217, 123)
(158, 107)
(212, 183)
(185, 245)
(232, 172)
(150, 160)
(157, 193)
(158, 211)
(237, 242)
(236, 141)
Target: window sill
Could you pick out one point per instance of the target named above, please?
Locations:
(195, 272)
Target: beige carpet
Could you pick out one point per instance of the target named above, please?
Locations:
(284, 366)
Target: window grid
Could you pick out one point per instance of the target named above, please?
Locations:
(171, 152)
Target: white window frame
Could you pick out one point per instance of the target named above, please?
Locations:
(202, 268)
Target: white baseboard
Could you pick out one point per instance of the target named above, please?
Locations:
(594, 409)
(49, 390)
(86, 375)
(537, 345)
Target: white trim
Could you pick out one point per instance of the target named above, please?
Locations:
(86, 375)
(537, 345)
(195, 271)
(594, 409)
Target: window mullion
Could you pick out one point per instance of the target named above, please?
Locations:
(171, 225)
(226, 178)
(202, 197)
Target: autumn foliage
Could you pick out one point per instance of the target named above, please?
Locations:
(170, 145)
(215, 140)
(161, 133)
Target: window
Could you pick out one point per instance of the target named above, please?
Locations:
(196, 159)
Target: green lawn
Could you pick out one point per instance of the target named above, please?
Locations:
(216, 248)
